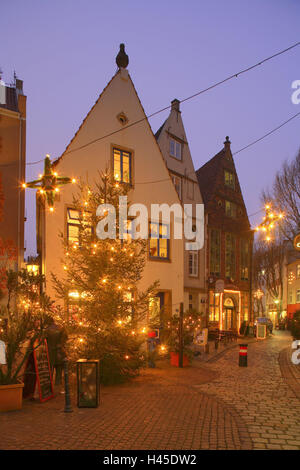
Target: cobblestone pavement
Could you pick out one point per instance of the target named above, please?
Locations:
(160, 410)
(217, 405)
(265, 394)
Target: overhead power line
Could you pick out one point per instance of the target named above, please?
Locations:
(235, 75)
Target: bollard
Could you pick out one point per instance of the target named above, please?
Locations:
(216, 343)
(68, 407)
(243, 355)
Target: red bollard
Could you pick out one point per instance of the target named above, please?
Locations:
(243, 355)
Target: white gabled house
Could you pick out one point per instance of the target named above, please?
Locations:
(134, 156)
(172, 140)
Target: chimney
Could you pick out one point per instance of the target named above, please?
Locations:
(175, 105)
(19, 85)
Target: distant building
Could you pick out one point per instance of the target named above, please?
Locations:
(229, 242)
(12, 164)
(172, 140)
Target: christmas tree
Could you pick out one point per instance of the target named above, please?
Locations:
(105, 313)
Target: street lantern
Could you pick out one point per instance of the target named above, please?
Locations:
(32, 269)
(88, 392)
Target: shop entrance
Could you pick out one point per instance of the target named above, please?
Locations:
(229, 314)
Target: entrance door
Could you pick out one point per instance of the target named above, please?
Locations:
(229, 314)
(228, 318)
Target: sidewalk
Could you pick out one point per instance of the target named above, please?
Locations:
(159, 410)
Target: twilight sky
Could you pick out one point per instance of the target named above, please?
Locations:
(65, 50)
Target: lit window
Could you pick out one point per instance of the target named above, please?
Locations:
(193, 263)
(230, 209)
(154, 309)
(73, 224)
(175, 149)
(229, 179)
(177, 183)
(122, 166)
(159, 241)
(214, 306)
(298, 296)
(298, 271)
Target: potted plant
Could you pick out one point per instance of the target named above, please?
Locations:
(191, 323)
(22, 323)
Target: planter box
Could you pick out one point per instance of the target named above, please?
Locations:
(11, 397)
(175, 359)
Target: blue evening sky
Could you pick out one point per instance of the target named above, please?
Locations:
(65, 53)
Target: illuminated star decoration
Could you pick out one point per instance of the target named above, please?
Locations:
(269, 222)
(49, 183)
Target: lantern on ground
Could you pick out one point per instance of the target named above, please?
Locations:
(88, 386)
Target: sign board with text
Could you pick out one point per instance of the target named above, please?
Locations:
(43, 371)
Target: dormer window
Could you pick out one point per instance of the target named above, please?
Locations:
(175, 149)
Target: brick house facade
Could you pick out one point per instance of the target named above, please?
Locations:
(229, 243)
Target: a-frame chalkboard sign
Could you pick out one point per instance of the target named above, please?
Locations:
(43, 371)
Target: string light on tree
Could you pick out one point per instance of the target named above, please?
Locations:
(269, 221)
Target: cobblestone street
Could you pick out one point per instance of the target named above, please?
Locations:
(216, 405)
(265, 394)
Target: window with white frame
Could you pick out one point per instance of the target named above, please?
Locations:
(73, 224)
(175, 149)
(177, 181)
(159, 247)
(193, 263)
